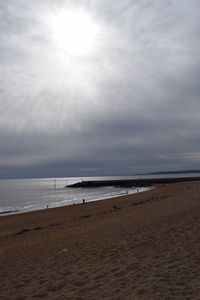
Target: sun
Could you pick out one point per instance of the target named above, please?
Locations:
(74, 32)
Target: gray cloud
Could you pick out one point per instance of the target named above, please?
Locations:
(130, 106)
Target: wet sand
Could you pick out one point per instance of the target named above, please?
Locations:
(140, 246)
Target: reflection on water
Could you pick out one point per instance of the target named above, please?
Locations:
(18, 195)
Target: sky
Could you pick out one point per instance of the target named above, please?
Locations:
(96, 87)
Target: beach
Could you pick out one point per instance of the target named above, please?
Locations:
(139, 246)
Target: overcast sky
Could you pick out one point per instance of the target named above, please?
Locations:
(128, 103)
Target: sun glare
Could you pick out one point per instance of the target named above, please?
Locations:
(74, 32)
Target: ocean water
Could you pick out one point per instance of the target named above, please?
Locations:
(21, 195)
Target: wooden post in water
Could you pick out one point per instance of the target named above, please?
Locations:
(54, 184)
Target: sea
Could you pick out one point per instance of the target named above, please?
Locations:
(23, 195)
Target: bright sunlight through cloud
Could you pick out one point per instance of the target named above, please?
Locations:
(74, 32)
(98, 87)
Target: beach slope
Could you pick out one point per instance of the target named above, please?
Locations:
(140, 246)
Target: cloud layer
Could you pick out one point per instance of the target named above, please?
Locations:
(130, 106)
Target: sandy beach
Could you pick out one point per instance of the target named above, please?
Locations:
(140, 246)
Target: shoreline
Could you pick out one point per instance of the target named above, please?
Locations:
(138, 246)
(18, 211)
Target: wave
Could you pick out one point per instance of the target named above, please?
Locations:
(9, 211)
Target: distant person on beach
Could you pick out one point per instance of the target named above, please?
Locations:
(83, 201)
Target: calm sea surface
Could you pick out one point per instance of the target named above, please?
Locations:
(20, 195)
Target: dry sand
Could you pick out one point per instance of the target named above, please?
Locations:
(142, 246)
